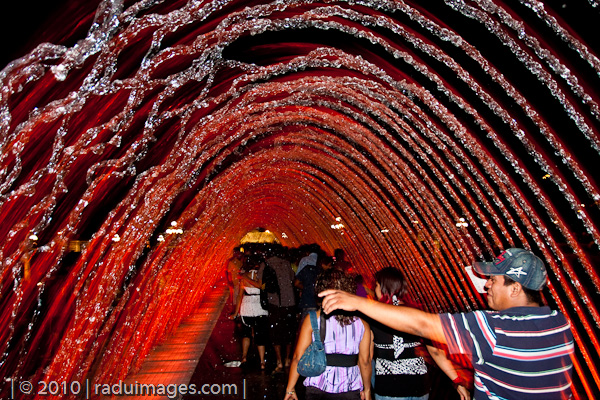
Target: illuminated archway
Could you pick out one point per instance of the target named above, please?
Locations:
(417, 135)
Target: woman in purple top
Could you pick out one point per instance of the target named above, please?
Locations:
(346, 334)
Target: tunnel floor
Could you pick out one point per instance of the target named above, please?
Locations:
(223, 347)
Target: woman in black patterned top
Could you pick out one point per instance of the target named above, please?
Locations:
(401, 369)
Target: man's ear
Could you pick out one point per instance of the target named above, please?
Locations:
(515, 289)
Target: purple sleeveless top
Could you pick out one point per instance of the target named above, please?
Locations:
(342, 340)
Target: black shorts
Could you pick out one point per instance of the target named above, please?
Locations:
(313, 393)
(260, 326)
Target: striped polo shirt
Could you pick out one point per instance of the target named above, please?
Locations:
(518, 353)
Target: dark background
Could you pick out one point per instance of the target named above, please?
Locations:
(26, 23)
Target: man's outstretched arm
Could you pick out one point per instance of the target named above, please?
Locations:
(401, 318)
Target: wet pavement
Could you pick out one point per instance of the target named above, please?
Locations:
(248, 381)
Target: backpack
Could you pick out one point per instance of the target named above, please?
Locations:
(271, 285)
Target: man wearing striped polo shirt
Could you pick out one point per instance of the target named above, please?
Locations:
(521, 350)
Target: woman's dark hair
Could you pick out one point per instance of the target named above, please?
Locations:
(253, 261)
(392, 283)
(339, 280)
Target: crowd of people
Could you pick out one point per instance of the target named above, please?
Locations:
(272, 288)
(381, 345)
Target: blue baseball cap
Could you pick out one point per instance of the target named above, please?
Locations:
(518, 264)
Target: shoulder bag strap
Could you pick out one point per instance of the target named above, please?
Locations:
(323, 327)
(315, 327)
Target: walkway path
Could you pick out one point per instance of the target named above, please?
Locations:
(174, 361)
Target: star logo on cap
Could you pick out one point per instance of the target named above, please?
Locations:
(516, 271)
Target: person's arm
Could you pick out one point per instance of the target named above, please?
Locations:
(249, 281)
(439, 356)
(400, 318)
(304, 340)
(238, 305)
(364, 361)
(372, 345)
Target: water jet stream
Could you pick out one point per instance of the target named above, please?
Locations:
(400, 118)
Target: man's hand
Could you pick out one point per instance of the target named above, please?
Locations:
(400, 318)
(339, 300)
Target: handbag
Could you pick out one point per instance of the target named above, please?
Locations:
(314, 360)
(271, 285)
(264, 299)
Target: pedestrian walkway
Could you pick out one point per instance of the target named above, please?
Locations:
(173, 362)
(219, 381)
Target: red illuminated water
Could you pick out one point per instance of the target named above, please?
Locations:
(395, 119)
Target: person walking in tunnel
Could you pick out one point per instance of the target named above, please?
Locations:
(234, 266)
(520, 350)
(362, 288)
(346, 341)
(255, 322)
(340, 262)
(310, 256)
(401, 370)
(305, 280)
(277, 276)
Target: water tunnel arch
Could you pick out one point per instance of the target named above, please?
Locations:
(399, 119)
